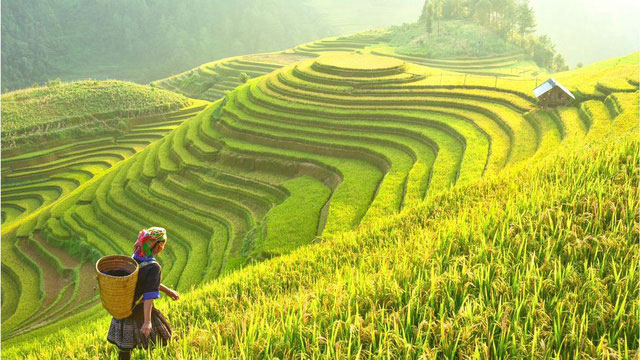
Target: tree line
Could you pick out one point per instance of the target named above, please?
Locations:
(514, 20)
(142, 40)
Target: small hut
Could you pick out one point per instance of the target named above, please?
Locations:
(551, 94)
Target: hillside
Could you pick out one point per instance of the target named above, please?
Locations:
(450, 39)
(58, 137)
(320, 145)
(72, 110)
(539, 261)
(213, 80)
(124, 39)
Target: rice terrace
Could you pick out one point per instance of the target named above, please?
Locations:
(446, 188)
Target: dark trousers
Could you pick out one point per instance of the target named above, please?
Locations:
(124, 354)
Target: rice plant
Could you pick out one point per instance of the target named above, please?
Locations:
(452, 217)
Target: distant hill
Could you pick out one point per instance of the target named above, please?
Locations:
(452, 39)
(145, 40)
(478, 51)
(140, 40)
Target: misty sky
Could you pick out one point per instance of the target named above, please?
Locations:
(583, 30)
(590, 30)
(359, 15)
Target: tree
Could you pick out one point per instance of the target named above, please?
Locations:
(559, 63)
(507, 17)
(467, 8)
(451, 9)
(429, 18)
(482, 12)
(423, 14)
(437, 12)
(543, 52)
(526, 20)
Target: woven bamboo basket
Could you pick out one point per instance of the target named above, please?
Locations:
(116, 292)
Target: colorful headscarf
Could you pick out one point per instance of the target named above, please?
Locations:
(143, 246)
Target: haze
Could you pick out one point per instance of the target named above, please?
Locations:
(590, 31)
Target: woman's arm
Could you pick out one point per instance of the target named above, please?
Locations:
(146, 326)
(148, 307)
(171, 293)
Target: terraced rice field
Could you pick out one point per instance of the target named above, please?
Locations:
(507, 65)
(339, 44)
(36, 179)
(211, 81)
(214, 80)
(32, 183)
(313, 149)
(46, 116)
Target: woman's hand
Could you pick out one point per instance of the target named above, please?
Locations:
(173, 294)
(170, 292)
(146, 328)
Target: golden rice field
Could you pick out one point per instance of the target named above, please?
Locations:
(451, 216)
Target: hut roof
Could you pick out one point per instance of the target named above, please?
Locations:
(548, 85)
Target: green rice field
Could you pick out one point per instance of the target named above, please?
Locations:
(339, 199)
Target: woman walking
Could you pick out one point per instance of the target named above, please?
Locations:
(146, 325)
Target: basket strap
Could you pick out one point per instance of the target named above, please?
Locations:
(137, 301)
(143, 264)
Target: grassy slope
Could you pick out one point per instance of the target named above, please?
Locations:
(212, 80)
(330, 279)
(42, 288)
(617, 73)
(126, 40)
(47, 108)
(423, 277)
(540, 261)
(286, 232)
(55, 138)
(449, 39)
